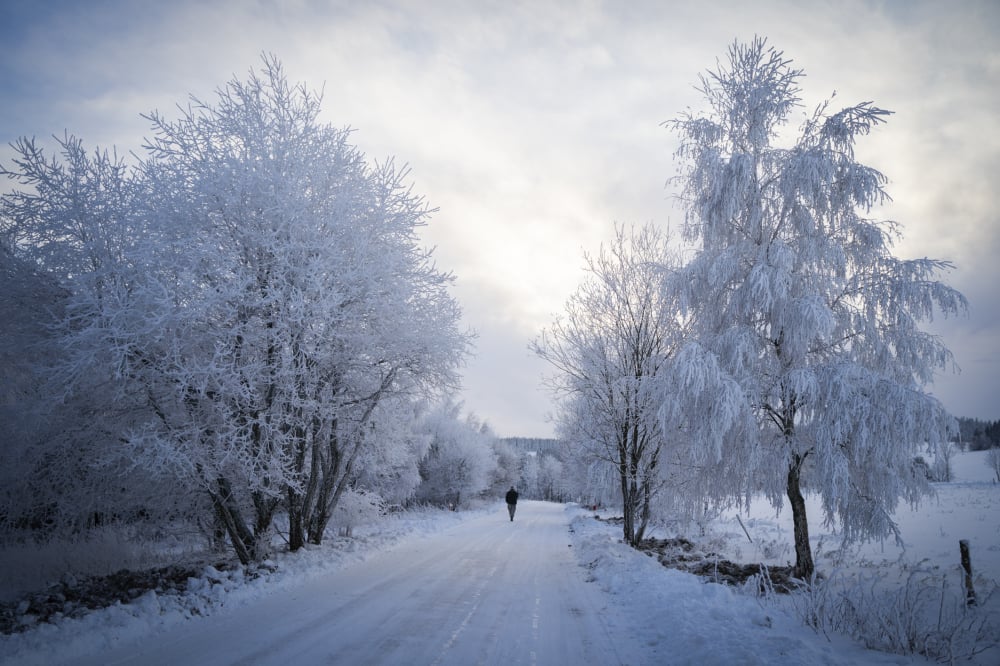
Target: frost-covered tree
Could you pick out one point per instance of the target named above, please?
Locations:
(318, 299)
(551, 484)
(257, 296)
(799, 301)
(30, 304)
(993, 460)
(460, 462)
(67, 227)
(71, 213)
(508, 467)
(389, 464)
(590, 481)
(618, 335)
(527, 484)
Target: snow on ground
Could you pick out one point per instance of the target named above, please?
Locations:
(486, 590)
(685, 620)
(215, 590)
(968, 508)
(620, 604)
(682, 619)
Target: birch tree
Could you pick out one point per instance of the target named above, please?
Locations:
(797, 298)
(609, 352)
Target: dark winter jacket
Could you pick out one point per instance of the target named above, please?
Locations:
(511, 496)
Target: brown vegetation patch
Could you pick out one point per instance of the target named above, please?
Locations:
(76, 597)
(684, 555)
(612, 520)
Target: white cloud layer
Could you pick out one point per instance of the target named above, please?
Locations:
(534, 126)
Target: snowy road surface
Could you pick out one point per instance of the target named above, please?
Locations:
(486, 591)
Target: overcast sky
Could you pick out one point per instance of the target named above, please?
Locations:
(535, 126)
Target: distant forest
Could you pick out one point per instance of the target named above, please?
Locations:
(540, 446)
(978, 435)
(974, 434)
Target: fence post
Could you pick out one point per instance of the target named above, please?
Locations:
(970, 592)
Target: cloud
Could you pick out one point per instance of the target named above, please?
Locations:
(534, 126)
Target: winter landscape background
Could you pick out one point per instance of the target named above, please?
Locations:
(264, 340)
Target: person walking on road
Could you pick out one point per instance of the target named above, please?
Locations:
(511, 502)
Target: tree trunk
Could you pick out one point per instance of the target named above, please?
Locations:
(229, 512)
(803, 552)
(647, 495)
(320, 509)
(645, 512)
(628, 506)
(264, 508)
(296, 531)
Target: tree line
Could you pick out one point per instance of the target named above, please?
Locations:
(977, 434)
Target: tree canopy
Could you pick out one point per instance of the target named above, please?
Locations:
(252, 296)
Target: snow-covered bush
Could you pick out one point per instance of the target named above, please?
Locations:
(355, 508)
(925, 614)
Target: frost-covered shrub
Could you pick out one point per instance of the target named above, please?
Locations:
(993, 459)
(922, 469)
(356, 508)
(926, 614)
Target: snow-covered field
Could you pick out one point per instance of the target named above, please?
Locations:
(722, 624)
(670, 617)
(967, 508)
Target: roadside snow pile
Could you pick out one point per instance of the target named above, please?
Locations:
(76, 629)
(57, 639)
(74, 598)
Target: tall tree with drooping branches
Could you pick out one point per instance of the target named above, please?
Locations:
(796, 296)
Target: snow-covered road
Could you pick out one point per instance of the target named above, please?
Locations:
(487, 591)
